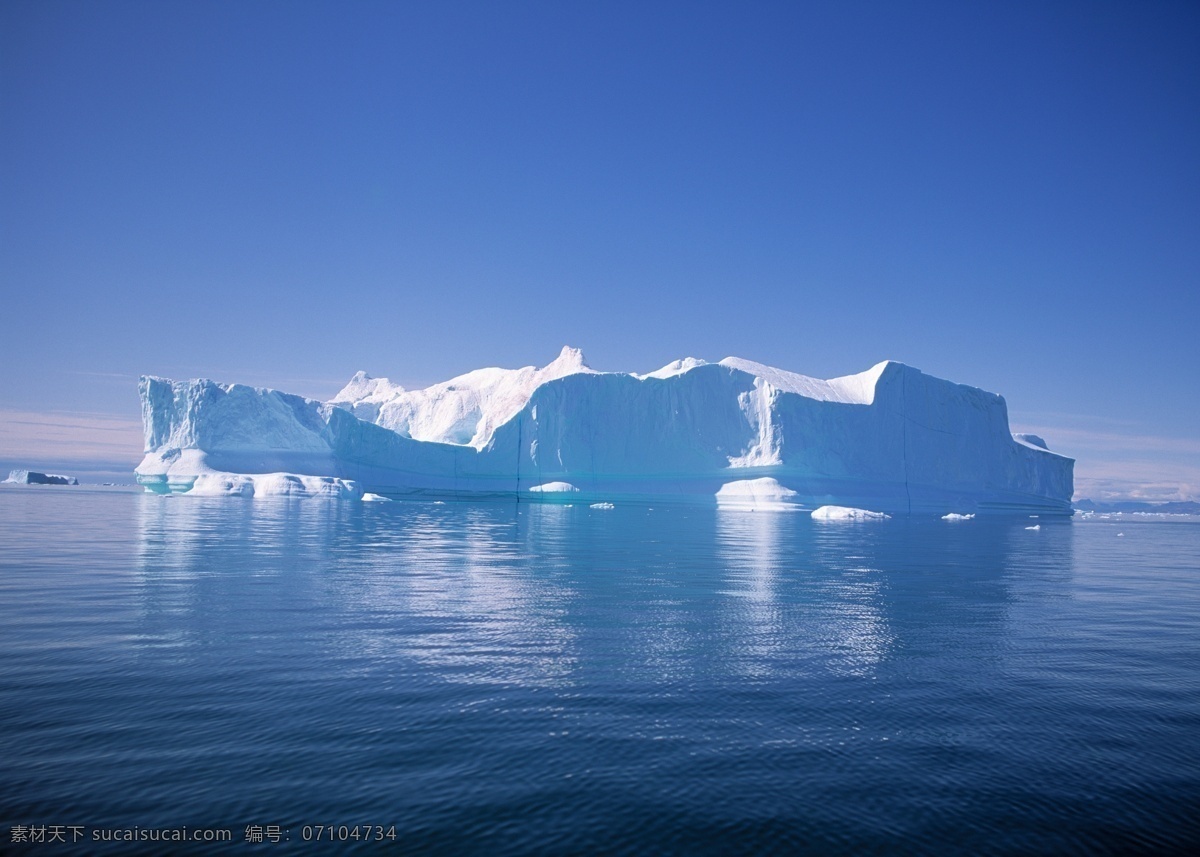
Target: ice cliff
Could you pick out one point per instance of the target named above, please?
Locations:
(891, 439)
(33, 477)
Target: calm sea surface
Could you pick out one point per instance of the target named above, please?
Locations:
(501, 679)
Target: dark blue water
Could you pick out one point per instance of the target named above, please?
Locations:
(494, 679)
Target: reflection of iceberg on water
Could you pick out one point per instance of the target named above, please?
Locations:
(783, 618)
(736, 433)
(447, 589)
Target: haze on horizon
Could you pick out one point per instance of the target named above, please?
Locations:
(281, 194)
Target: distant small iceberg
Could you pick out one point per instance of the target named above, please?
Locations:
(33, 477)
(955, 516)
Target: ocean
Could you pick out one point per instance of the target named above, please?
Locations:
(189, 675)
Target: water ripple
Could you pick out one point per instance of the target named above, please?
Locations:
(499, 680)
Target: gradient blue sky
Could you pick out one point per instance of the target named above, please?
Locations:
(1004, 194)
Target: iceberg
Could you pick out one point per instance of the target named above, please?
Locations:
(734, 433)
(33, 477)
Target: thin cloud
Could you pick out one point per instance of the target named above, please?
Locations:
(1066, 438)
(69, 436)
(1115, 465)
(124, 376)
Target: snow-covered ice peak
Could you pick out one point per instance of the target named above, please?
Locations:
(363, 386)
(1031, 440)
(568, 362)
(466, 410)
(851, 389)
(675, 367)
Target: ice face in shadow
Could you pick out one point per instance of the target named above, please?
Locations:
(33, 477)
(890, 439)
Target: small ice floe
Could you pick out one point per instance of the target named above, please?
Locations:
(955, 516)
(375, 498)
(554, 488)
(1034, 527)
(262, 485)
(1119, 535)
(754, 494)
(602, 506)
(846, 513)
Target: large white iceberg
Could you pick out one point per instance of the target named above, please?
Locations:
(891, 439)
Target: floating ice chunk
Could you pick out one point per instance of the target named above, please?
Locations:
(375, 498)
(292, 485)
(846, 513)
(754, 494)
(955, 516)
(222, 485)
(215, 484)
(602, 506)
(1034, 527)
(554, 488)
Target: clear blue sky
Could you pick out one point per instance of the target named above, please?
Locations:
(1004, 194)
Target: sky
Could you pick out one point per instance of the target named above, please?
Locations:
(283, 193)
